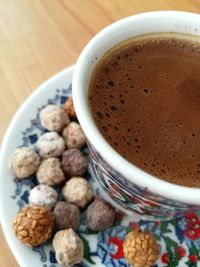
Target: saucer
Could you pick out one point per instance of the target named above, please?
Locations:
(179, 239)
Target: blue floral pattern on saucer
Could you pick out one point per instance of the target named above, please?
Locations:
(179, 239)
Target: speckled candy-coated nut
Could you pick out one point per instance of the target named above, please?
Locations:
(73, 163)
(78, 191)
(73, 135)
(33, 225)
(50, 172)
(100, 215)
(69, 108)
(66, 215)
(50, 145)
(68, 247)
(140, 249)
(24, 162)
(53, 118)
(43, 195)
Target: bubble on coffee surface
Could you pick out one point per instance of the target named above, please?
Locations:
(146, 102)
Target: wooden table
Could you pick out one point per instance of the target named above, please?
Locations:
(41, 37)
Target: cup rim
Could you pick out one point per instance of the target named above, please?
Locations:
(131, 172)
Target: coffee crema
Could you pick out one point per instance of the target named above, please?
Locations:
(144, 95)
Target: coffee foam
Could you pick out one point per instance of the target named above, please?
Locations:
(145, 99)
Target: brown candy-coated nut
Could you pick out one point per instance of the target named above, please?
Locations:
(68, 247)
(78, 191)
(69, 108)
(73, 135)
(73, 163)
(66, 215)
(100, 215)
(140, 249)
(33, 225)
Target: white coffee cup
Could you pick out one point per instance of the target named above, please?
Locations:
(150, 195)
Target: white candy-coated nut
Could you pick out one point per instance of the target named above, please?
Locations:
(24, 162)
(68, 247)
(78, 191)
(50, 172)
(43, 195)
(53, 118)
(73, 135)
(50, 145)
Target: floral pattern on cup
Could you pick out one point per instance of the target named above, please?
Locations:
(132, 197)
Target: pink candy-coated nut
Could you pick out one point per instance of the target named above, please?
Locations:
(66, 215)
(73, 163)
(100, 215)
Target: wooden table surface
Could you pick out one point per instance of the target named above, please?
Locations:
(41, 37)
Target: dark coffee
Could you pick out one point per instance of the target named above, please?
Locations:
(145, 99)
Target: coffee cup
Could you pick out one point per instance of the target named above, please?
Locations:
(126, 186)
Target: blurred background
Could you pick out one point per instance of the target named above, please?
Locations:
(41, 37)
